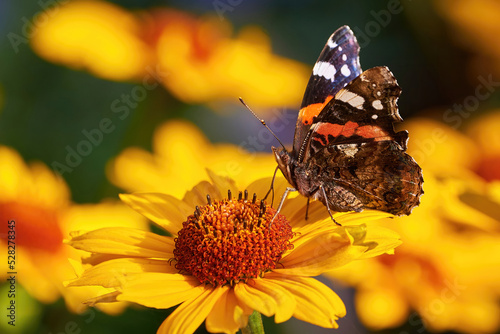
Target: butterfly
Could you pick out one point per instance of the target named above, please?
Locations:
(346, 152)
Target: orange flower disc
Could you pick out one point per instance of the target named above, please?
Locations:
(229, 241)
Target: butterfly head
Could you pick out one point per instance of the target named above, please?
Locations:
(285, 163)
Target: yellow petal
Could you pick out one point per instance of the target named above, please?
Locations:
(284, 299)
(316, 303)
(165, 210)
(191, 314)
(113, 273)
(222, 183)
(198, 195)
(381, 240)
(160, 290)
(228, 315)
(321, 253)
(255, 299)
(124, 241)
(107, 298)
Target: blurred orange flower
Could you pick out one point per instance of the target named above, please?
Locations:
(485, 132)
(196, 59)
(448, 268)
(39, 204)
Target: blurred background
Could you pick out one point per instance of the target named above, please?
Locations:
(103, 97)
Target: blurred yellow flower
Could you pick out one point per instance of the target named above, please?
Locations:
(204, 64)
(195, 58)
(38, 203)
(446, 274)
(476, 27)
(226, 259)
(96, 36)
(181, 155)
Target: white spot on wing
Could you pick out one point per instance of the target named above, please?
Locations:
(374, 116)
(325, 69)
(344, 57)
(377, 105)
(345, 70)
(331, 43)
(353, 99)
(349, 149)
(340, 48)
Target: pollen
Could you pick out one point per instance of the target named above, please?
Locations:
(231, 240)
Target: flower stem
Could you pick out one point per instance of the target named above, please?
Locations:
(255, 325)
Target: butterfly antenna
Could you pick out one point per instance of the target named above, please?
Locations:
(262, 121)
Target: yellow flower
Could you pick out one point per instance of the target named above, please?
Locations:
(38, 203)
(181, 153)
(204, 64)
(196, 59)
(448, 268)
(96, 36)
(225, 258)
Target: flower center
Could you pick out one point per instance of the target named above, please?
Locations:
(231, 240)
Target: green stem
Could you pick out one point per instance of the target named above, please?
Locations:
(255, 325)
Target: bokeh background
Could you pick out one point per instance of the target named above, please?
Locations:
(119, 96)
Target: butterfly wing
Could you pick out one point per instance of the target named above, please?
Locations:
(337, 65)
(362, 159)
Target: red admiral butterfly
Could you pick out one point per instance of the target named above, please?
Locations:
(345, 150)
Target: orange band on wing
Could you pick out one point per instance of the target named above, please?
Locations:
(352, 128)
(307, 113)
(336, 130)
(372, 131)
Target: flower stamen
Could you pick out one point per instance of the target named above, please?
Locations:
(228, 241)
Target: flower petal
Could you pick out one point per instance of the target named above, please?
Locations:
(198, 195)
(256, 299)
(322, 252)
(113, 272)
(191, 314)
(285, 301)
(228, 314)
(124, 241)
(380, 240)
(160, 290)
(316, 303)
(222, 183)
(165, 210)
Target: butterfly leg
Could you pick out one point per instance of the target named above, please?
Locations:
(283, 198)
(271, 188)
(326, 204)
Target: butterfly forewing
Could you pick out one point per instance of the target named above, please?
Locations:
(337, 65)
